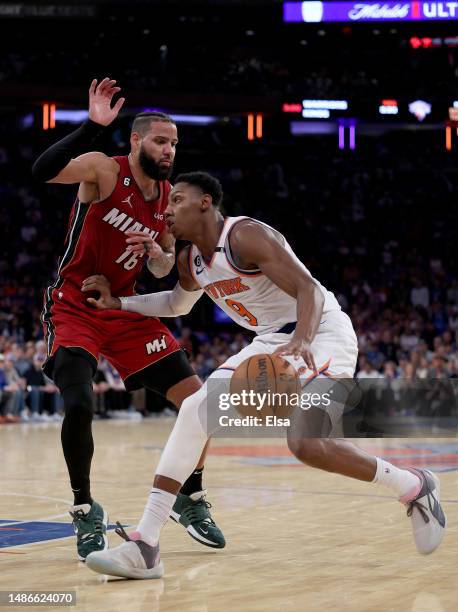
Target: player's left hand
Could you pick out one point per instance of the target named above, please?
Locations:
(141, 242)
(299, 348)
(100, 283)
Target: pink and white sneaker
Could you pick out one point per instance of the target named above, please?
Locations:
(132, 559)
(425, 511)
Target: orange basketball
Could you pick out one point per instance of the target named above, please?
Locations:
(271, 380)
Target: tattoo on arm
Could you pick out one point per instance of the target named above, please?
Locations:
(161, 264)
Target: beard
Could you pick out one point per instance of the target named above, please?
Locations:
(153, 169)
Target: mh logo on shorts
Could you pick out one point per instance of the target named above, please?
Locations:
(156, 346)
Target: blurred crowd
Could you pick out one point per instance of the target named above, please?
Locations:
(28, 395)
(303, 62)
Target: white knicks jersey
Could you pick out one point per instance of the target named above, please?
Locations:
(247, 296)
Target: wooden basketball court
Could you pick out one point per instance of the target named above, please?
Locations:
(297, 539)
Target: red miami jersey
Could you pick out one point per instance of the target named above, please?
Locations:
(96, 240)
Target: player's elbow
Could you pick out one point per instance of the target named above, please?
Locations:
(177, 307)
(311, 293)
(318, 297)
(179, 310)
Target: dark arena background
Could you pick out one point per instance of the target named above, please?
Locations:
(337, 124)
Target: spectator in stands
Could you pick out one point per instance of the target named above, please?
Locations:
(117, 398)
(9, 394)
(419, 294)
(100, 387)
(42, 393)
(16, 386)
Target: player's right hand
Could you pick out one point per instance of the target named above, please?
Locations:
(100, 98)
(100, 283)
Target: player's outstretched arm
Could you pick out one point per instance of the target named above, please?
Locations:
(173, 303)
(69, 160)
(256, 245)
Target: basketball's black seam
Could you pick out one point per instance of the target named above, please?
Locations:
(247, 371)
(274, 410)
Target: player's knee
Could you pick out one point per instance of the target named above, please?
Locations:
(71, 369)
(191, 409)
(308, 450)
(78, 402)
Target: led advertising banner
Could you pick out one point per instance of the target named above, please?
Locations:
(317, 12)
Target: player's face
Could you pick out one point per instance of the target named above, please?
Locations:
(157, 150)
(183, 211)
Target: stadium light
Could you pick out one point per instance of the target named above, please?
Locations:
(326, 104)
(448, 138)
(352, 131)
(71, 116)
(420, 109)
(388, 110)
(341, 137)
(195, 119)
(250, 127)
(254, 130)
(388, 107)
(258, 125)
(49, 116)
(291, 108)
(351, 125)
(315, 113)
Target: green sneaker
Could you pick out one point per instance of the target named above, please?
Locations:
(90, 525)
(192, 511)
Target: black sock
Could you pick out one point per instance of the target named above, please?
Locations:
(82, 496)
(194, 483)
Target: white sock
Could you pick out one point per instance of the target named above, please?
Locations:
(401, 482)
(180, 456)
(155, 514)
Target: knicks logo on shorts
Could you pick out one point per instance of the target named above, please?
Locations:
(156, 346)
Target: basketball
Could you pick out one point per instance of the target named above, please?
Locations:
(271, 380)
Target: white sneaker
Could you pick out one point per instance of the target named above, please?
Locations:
(425, 511)
(132, 559)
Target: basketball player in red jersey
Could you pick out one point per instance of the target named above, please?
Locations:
(116, 223)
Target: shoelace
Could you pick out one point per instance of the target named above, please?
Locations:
(421, 509)
(120, 531)
(192, 513)
(98, 526)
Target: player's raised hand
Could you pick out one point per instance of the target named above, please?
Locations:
(100, 283)
(141, 242)
(100, 98)
(298, 348)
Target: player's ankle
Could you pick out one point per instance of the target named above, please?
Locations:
(136, 535)
(194, 483)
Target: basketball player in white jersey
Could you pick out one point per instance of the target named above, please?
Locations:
(250, 271)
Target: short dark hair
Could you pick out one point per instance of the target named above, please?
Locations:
(142, 121)
(208, 183)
